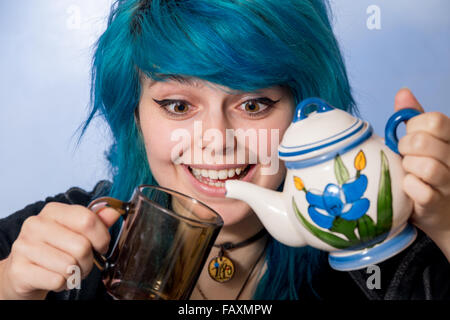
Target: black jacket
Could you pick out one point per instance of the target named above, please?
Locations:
(419, 272)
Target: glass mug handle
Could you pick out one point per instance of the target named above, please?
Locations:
(97, 206)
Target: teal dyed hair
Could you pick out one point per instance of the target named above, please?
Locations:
(241, 44)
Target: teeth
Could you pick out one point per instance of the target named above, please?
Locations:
(213, 174)
(217, 174)
(196, 172)
(223, 174)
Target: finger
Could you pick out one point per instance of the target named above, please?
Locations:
(58, 236)
(404, 98)
(425, 145)
(109, 216)
(422, 194)
(82, 221)
(33, 277)
(435, 123)
(47, 257)
(430, 171)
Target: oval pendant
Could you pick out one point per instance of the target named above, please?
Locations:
(221, 269)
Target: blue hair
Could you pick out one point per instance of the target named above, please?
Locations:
(239, 44)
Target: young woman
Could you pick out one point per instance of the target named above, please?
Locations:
(164, 65)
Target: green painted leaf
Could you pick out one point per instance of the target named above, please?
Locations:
(366, 228)
(326, 237)
(345, 227)
(384, 204)
(340, 170)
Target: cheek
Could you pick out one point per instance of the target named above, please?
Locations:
(268, 142)
(158, 146)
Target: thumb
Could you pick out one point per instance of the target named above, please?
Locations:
(405, 99)
(108, 216)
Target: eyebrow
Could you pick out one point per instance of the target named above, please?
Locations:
(192, 82)
(189, 81)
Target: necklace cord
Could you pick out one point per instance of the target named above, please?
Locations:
(231, 246)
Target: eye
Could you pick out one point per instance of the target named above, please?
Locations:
(178, 107)
(174, 107)
(256, 107)
(252, 106)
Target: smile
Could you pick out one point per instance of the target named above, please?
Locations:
(216, 178)
(212, 181)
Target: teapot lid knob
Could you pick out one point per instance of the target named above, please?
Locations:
(300, 111)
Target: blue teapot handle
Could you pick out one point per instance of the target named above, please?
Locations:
(300, 111)
(390, 132)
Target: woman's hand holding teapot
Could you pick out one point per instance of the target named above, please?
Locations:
(426, 159)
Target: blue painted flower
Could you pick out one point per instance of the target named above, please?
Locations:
(344, 202)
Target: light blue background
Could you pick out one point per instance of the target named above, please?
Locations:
(44, 82)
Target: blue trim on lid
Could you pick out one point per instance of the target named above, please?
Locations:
(299, 164)
(325, 145)
(331, 137)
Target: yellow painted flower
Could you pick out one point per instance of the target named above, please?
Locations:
(299, 183)
(360, 161)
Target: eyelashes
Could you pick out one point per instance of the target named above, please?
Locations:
(258, 107)
(176, 108)
(254, 108)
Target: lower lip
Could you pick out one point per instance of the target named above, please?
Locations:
(212, 190)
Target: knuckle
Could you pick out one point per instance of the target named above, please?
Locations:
(419, 141)
(19, 247)
(427, 197)
(57, 282)
(50, 206)
(431, 170)
(20, 284)
(406, 163)
(17, 270)
(82, 248)
(30, 224)
(71, 261)
(85, 268)
(436, 121)
(86, 220)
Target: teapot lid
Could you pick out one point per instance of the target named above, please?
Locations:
(322, 133)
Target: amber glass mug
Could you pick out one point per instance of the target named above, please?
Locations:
(162, 246)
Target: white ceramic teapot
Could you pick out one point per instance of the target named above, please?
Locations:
(343, 188)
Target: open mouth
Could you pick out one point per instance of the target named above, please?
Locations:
(217, 178)
(212, 181)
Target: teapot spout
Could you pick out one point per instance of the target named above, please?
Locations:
(270, 207)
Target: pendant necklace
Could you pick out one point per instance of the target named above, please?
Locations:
(246, 280)
(221, 268)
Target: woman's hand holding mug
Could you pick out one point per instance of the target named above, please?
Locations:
(59, 237)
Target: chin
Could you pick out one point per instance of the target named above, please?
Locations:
(231, 211)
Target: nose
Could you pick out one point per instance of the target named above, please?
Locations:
(215, 137)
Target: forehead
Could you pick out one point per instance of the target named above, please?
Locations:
(184, 82)
(178, 79)
(193, 83)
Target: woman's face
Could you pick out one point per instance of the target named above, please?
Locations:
(198, 134)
